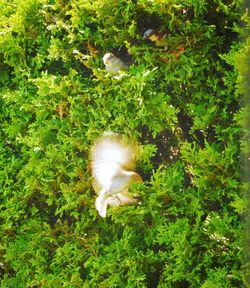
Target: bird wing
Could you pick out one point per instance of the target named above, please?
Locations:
(104, 171)
(108, 157)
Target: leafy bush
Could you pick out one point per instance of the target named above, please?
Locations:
(181, 102)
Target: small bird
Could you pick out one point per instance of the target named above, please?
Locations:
(113, 64)
(112, 163)
(154, 36)
(172, 45)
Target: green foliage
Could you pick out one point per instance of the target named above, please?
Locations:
(181, 102)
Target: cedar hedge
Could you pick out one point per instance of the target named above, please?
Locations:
(182, 103)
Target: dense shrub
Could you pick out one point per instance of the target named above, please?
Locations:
(181, 102)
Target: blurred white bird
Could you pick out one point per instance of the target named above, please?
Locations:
(113, 64)
(112, 163)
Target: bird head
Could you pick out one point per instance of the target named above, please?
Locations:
(108, 58)
(148, 34)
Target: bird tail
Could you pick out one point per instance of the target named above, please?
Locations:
(101, 204)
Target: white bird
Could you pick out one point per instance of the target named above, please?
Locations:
(112, 163)
(113, 64)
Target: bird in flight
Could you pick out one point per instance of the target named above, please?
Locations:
(112, 164)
